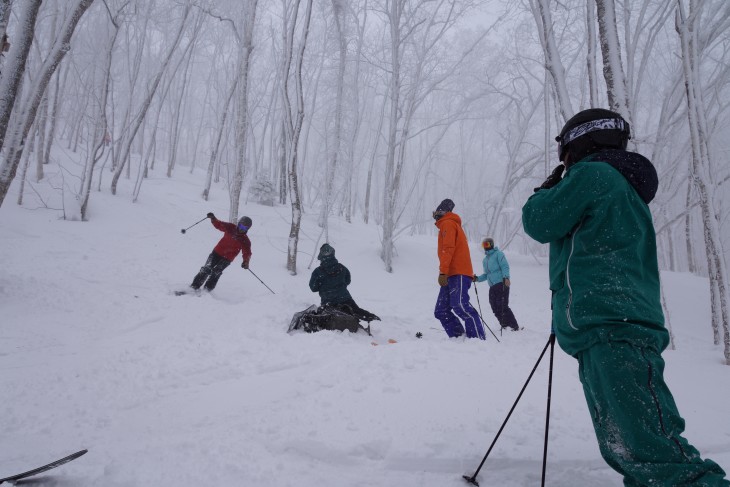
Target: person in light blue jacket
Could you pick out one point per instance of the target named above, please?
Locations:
(496, 273)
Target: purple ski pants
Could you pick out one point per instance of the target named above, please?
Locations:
(453, 301)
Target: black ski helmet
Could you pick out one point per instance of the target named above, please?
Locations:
(591, 130)
(244, 223)
(488, 243)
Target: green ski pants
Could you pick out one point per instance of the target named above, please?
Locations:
(636, 420)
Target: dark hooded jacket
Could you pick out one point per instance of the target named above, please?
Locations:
(603, 263)
(330, 279)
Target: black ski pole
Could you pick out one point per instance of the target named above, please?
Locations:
(547, 414)
(191, 226)
(262, 282)
(473, 479)
(481, 317)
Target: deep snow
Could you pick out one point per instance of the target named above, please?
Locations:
(98, 353)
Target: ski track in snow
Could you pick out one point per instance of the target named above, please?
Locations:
(171, 390)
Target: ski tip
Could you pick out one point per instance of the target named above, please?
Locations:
(390, 340)
(374, 344)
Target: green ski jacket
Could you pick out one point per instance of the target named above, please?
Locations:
(603, 265)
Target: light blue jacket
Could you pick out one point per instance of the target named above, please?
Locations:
(496, 268)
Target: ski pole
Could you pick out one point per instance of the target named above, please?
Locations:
(191, 226)
(547, 414)
(551, 343)
(262, 282)
(481, 317)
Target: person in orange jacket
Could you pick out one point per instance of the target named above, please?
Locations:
(455, 276)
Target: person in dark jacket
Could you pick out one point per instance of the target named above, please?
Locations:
(331, 279)
(606, 300)
(235, 240)
(496, 273)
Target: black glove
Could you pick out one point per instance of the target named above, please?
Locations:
(553, 179)
(244, 264)
(210, 215)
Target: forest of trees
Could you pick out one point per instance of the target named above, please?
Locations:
(372, 110)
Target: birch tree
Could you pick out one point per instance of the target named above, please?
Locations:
(293, 115)
(147, 102)
(613, 71)
(687, 22)
(27, 111)
(553, 63)
(243, 121)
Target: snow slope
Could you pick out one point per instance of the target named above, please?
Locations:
(98, 353)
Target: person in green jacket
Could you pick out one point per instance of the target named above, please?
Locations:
(330, 280)
(606, 305)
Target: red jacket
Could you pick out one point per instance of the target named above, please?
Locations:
(453, 248)
(232, 242)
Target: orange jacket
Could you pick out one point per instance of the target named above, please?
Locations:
(453, 248)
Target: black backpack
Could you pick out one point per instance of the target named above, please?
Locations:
(327, 317)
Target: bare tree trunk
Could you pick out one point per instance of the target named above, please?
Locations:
(24, 170)
(38, 87)
(613, 72)
(12, 73)
(686, 24)
(591, 56)
(243, 121)
(395, 15)
(553, 64)
(55, 110)
(217, 142)
(137, 122)
(339, 15)
(41, 127)
(294, 120)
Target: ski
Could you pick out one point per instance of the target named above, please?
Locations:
(390, 340)
(14, 478)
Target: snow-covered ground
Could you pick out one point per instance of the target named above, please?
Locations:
(98, 353)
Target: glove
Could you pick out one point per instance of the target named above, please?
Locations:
(244, 264)
(443, 280)
(210, 215)
(474, 278)
(553, 179)
(506, 281)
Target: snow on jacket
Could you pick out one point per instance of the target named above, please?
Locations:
(330, 280)
(232, 242)
(453, 248)
(603, 263)
(496, 267)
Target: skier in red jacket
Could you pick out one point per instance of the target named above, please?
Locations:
(234, 240)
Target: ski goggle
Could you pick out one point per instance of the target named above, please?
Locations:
(487, 245)
(243, 227)
(588, 127)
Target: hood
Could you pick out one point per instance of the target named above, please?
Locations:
(637, 169)
(448, 217)
(329, 264)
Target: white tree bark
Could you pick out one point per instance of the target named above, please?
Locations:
(13, 69)
(613, 71)
(553, 63)
(294, 118)
(29, 106)
(243, 120)
(146, 103)
(687, 22)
